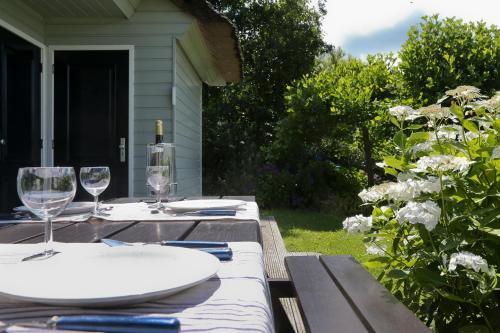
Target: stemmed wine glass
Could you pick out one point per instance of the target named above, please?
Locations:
(160, 169)
(46, 191)
(95, 180)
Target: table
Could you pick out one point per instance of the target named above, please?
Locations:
(130, 231)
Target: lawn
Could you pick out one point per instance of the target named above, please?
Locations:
(309, 231)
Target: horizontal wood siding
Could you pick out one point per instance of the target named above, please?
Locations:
(151, 30)
(187, 126)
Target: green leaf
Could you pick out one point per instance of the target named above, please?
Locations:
(452, 297)
(415, 126)
(457, 111)
(429, 278)
(395, 122)
(496, 125)
(397, 274)
(491, 231)
(391, 171)
(400, 140)
(470, 125)
(418, 137)
(394, 163)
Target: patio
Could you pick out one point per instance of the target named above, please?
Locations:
(326, 289)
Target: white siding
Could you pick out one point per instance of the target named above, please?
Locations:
(187, 125)
(23, 18)
(152, 30)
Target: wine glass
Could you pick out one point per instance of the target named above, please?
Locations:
(161, 155)
(95, 180)
(158, 177)
(46, 191)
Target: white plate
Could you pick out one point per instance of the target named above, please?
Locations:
(193, 205)
(105, 276)
(79, 207)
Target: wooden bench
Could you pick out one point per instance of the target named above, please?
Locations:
(336, 294)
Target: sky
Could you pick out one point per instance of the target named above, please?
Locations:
(361, 27)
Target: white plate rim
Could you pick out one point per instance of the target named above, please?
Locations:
(188, 205)
(129, 299)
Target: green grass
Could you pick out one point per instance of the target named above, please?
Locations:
(309, 231)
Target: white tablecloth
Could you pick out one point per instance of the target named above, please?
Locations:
(139, 211)
(236, 300)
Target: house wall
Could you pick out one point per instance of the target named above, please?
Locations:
(188, 106)
(152, 30)
(22, 18)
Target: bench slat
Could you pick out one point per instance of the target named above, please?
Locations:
(380, 309)
(322, 304)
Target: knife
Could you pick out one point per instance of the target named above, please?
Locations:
(116, 323)
(219, 249)
(187, 244)
(212, 212)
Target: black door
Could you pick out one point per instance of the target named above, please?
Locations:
(91, 114)
(20, 141)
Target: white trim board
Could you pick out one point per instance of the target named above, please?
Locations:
(43, 85)
(131, 103)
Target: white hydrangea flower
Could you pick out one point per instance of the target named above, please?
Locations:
(358, 223)
(495, 154)
(426, 213)
(407, 188)
(434, 112)
(403, 112)
(429, 185)
(375, 249)
(442, 163)
(492, 104)
(467, 92)
(468, 260)
(469, 136)
(449, 132)
(423, 146)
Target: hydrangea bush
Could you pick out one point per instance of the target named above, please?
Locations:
(435, 229)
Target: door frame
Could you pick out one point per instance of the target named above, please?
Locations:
(43, 84)
(49, 150)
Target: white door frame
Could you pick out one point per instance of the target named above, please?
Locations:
(43, 85)
(131, 79)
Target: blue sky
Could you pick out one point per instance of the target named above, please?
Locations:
(370, 26)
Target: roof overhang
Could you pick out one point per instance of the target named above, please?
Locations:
(220, 35)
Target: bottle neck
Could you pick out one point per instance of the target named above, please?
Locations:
(159, 131)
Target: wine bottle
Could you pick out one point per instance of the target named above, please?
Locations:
(159, 131)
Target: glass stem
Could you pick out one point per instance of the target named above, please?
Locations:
(158, 199)
(96, 201)
(48, 235)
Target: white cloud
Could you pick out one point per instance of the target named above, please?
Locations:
(347, 18)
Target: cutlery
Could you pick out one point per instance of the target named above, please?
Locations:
(212, 212)
(40, 255)
(99, 323)
(218, 249)
(187, 244)
(14, 216)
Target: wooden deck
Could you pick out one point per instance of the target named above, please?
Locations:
(274, 261)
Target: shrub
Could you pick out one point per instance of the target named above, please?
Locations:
(436, 230)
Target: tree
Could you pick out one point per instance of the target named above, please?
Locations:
(332, 125)
(280, 41)
(441, 54)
